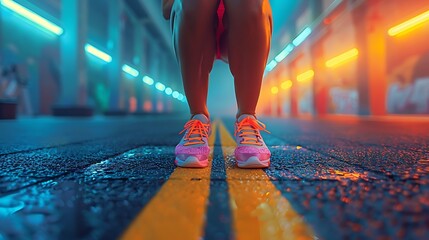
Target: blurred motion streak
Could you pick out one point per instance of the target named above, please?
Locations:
(342, 58)
(24, 12)
(98, 53)
(409, 24)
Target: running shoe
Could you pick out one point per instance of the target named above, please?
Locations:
(193, 150)
(251, 151)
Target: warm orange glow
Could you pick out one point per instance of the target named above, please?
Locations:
(274, 90)
(286, 84)
(133, 104)
(307, 75)
(342, 58)
(409, 24)
(147, 106)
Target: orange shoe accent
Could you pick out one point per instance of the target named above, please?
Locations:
(196, 131)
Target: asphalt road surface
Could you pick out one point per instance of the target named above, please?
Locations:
(110, 178)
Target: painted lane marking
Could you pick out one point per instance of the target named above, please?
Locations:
(178, 210)
(259, 210)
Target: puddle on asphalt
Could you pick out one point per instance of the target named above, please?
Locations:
(325, 173)
(334, 174)
(288, 147)
(10, 205)
(26, 214)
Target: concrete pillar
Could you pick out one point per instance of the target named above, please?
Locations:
(291, 66)
(316, 8)
(73, 70)
(138, 62)
(165, 78)
(320, 98)
(116, 105)
(376, 42)
(277, 97)
(1, 34)
(359, 15)
(148, 104)
(320, 88)
(293, 91)
(155, 70)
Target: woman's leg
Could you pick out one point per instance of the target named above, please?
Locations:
(248, 29)
(193, 23)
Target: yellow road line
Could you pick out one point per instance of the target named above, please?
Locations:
(259, 210)
(178, 210)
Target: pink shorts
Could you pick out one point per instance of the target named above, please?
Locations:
(220, 28)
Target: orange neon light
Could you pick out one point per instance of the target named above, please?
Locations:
(286, 84)
(307, 75)
(409, 24)
(274, 90)
(342, 58)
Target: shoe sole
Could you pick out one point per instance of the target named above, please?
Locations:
(192, 162)
(254, 162)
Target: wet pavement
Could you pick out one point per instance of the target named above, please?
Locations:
(109, 178)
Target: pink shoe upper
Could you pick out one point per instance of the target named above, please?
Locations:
(180, 149)
(248, 139)
(195, 140)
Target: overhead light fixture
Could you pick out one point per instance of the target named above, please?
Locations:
(175, 94)
(274, 90)
(307, 75)
(271, 65)
(180, 97)
(133, 72)
(148, 80)
(286, 84)
(342, 58)
(302, 36)
(409, 24)
(98, 53)
(288, 49)
(33, 17)
(160, 86)
(168, 91)
(283, 54)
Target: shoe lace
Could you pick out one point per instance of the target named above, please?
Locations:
(249, 130)
(196, 131)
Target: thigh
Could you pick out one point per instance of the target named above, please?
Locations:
(246, 6)
(248, 10)
(201, 8)
(201, 13)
